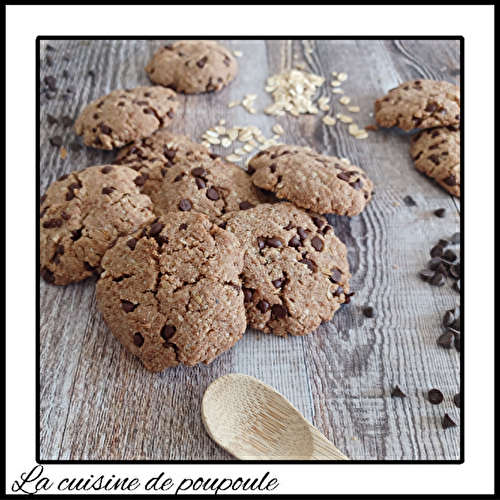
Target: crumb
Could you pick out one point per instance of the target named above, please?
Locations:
(63, 154)
(373, 128)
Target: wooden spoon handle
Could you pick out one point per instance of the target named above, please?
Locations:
(324, 449)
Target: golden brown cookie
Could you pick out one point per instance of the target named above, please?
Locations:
(193, 66)
(419, 104)
(81, 214)
(199, 184)
(124, 116)
(324, 184)
(171, 293)
(295, 272)
(436, 152)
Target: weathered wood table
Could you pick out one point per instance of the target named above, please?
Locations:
(97, 402)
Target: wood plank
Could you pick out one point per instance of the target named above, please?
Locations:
(97, 400)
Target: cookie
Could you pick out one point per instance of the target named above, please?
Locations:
(295, 272)
(193, 66)
(171, 293)
(81, 214)
(419, 104)
(199, 184)
(436, 152)
(324, 184)
(124, 116)
(162, 147)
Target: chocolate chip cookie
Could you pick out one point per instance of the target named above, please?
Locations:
(202, 184)
(171, 292)
(295, 272)
(436, 152)
(81, 214)
(419, 104)
(324, 184)
(124, 116)
(193, 66)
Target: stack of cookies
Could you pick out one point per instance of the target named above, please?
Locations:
(188, 249)
(433, 107)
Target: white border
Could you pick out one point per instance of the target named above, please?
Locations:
(25, 23)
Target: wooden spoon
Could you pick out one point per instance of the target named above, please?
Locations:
(252, 421)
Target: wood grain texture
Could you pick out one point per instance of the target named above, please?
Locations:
(97, 401)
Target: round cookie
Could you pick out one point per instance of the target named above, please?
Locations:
(419, 104)
(124, 116)
(324, 184)
(193, 66)
(81, 214)
(295, 272)
(162, 147)
(436, 152)
(171, 292)
(200, 184)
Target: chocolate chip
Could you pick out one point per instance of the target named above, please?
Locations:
(199, 172)
(261, 242)
(317, 243)
(443, 243)
(370, 312)
(63, 178)
(435, 396)
(223, 225)
(105, 129)
(456, 239)
(148, 111)
(273, 242)
(170, 154)
(51, 81)
(87, 266)
(302, 233)
(163, 171)
(440, 212)
(202, 62)
(214, 156)
(431, 107)
(273, 167)
(179, 177)
(155, 229)
(132, 243)
(183, 226)
(245, 205)
(450, 255)
(106, 170)
(450, 181)
(77, 234)
(48, 276)
(426, 274)
(434, 263)
(263, 306)
(456, 400)
(91, 73)
(160, 239)
(67, 97)
(409, 201)
(348, 297)
(108, 190)
(448, 319)
(327, 228)
(139, 181)
(128, 306)
(288, 227)
(98, 141)
(247, 294)
(318, 222)
(250, 170)
(308, 263)
(417, 121)
(52, 223)
(343, 176)
(185, 205)
(56, 140)
(446, 340)
(455, 271)
(75, 146)
(437, 280)
(436, 251)
(138, 339)
(456, 286)
(397, 393)
(279, 311)
(448, 422)
(338, 292)
(336, 276)
(167, 331)
(50, 95)
(294, 242)
(51, 119)
(212, 194)
(200, 183)
(113, 243)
